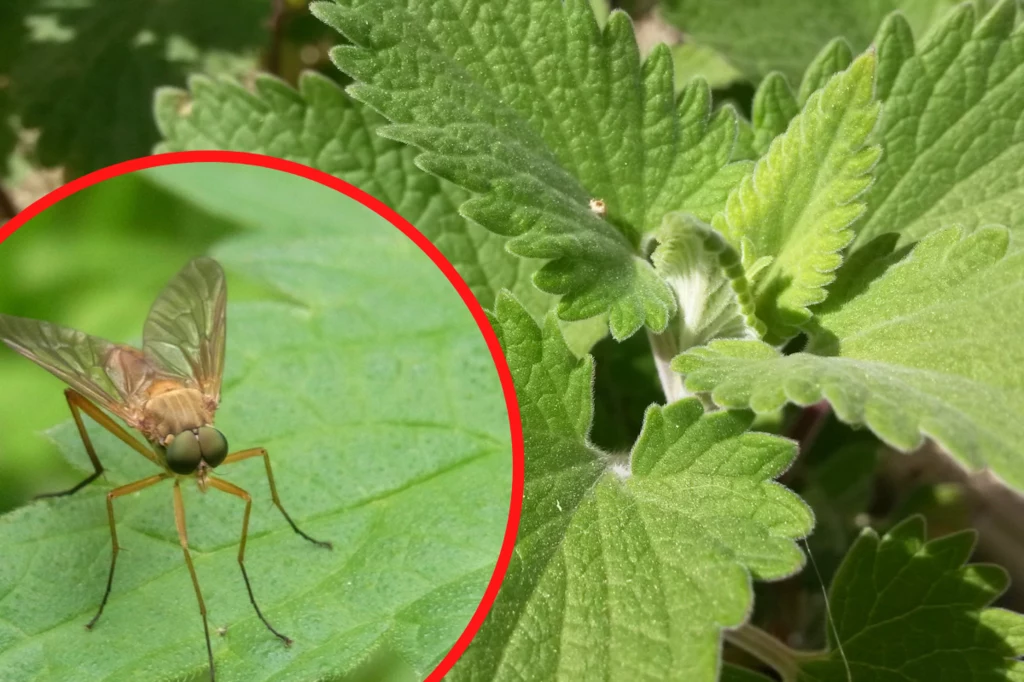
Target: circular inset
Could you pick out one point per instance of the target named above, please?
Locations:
(328, 381)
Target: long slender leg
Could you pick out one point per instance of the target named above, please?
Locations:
(179, 520)
(118, 492)
(232, 489)
(262, 452)
(78, 403)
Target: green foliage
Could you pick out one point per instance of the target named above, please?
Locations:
(355, 363)
(631, 568)
(963, 82)
(319, 126)
(905, 347)
(798, 204)
(907, 609)
(537, 139)
(784, 35)
(85, 73)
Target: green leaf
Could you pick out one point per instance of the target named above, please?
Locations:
(785, 35)
(929, 348)
(952, 126)
(799, 203)
(775, 104)
(86, 75)
(356, 364)
(629, 569)
(907, 609)
(319, 126)
(538, 110)
(691, 61)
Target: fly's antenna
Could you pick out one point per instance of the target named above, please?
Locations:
(828, 612)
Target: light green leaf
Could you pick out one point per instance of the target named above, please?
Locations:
(629, 569)
(952, 126)
(785, 35)
(775, 104)
(361, 371)
(691, 61)
(931, 348)
(799, 203)
(539, 110)
(907, 610)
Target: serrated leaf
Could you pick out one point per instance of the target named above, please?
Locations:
(775, 104)
(629, 570)
(952, 125)
(359, 368)
(931, 347)
(86, 74)
(909, 610)
(538, 137)
(785, 35)
(801, 199)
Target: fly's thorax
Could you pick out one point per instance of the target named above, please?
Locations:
(171, 410)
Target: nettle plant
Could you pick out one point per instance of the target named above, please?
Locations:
(857, 241)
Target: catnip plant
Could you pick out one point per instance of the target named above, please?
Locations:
(727, 274)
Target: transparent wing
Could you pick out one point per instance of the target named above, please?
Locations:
(184, 332)
(108, 374)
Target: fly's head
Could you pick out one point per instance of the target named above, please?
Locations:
(195, 451)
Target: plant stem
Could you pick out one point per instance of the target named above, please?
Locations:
(7, 208)
(664, 348)
(809, 424)
(273, 59)
(766, 649)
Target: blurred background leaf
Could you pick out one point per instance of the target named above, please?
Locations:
(77, 76)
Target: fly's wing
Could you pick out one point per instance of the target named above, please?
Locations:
(184, 333)
(90, 365)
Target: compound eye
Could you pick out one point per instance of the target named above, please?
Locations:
(213, 445)
(183, 453)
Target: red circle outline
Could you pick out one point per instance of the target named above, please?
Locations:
(425, 245)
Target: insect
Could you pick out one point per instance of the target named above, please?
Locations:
(168, 391)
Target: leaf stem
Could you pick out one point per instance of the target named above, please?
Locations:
(8, 209)
(664, 347)
(767, 649)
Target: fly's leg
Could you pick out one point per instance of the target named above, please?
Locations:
(262, 452)
(118, 492)
(179, 521)
(78, 403)
(232, 489)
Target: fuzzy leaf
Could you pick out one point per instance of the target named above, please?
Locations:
(629, 569)
(355, 363)
(533, 106)
(907, 610)
(799, 203)
(929, 346)
(321, 127)
(952, 125)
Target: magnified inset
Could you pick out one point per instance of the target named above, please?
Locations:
(343, 402)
